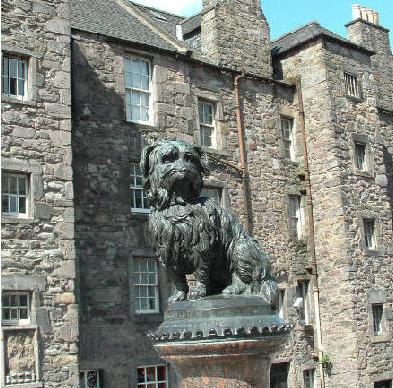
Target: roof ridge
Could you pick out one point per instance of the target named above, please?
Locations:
(298, 29)
(157, 9)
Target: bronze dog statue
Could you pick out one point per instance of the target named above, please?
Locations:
(193, 235)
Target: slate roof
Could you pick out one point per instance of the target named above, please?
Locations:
(109, 18)
(192, 23)
(304, 34)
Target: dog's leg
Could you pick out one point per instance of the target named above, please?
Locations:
(181, 287)
(237, 287)
(199, 288)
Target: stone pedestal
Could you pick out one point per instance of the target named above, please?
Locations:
(220, 342)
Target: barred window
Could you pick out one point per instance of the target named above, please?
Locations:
(15, 308)
(360, 156)
(146, 285)
(377, 310)
(351, 85)
(369, 233)
(14, 78)
(14, 194)
(155, 376)
(137, 74)
(287, 138)
(207, 124)
(90, 379)
(309, 378)
(139, 202)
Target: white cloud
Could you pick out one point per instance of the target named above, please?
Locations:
(178, 7)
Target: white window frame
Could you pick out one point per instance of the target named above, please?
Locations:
(24, 96)
(296, 215)
(85, 376)
(212, 192)
(136, 187)
(149, 384)
(17, 196)
(17, 321)
(309, 378)
(139, 90)
(287, 124)
(149, 285)
(351, 85)
(369, 233)
(361, 160)
(377, 319)
(212, 126)
(303, 287)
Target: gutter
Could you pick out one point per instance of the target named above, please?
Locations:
(310, 213)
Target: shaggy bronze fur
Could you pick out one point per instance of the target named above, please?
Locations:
(193, 235)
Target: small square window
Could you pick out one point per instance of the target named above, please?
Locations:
(155, 376)
(287, 138)
(377, 310)
(360, 156)
(213, 193)
(14, 194)
(309, 378)
(207, 124)
(90, 379)
(296, 215)
(137, 76)
(369, 233)
(146, 286)
(15, 308)
(351, 85)
(14, 77)
(383, 384)
(139, 203)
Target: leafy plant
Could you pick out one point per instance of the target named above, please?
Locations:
(326, 362)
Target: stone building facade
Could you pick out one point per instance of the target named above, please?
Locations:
(82, 253)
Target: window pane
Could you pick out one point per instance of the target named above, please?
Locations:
(143, 291)
(145, 99)
(13, 68)
(12, 203)
(4, 183)
(152, 304)
(151, 374)
(138, 198)
(161, 371)
(135, 81)
(144, 114)
(6, 314)
(144, 278)
(135, 97)
(22, 186)
(127, 80)
(14, 314)
(21, 87)
(4, 204)
(22, 300)
(23, 313)
(135, 113)
(141, 375)
(151, 266)
(5, 300)
(136, 66)
(22, 205)
(162, 385)
(4, 69)
(144, 305)
(14, 300)
(145, 68)
(13, 185)
(127, 65)
(13, 86)
(152, 291)
(145, 83)
(143, 265)
(152, 278)
(4, 85)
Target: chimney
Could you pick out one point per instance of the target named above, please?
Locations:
(365, 30)
(236, 35)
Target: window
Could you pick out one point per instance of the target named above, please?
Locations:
(281, 307)
(369, 233)
(137, 74)
(153, 376)
(213, 193)
(360, 156)
(351, 85)
(16, 308)
(302, 301)
(279, 375)
(207, 124)
(287, 137)
(296, 215)
(139, 202)
(14, 77)
(309, 378)
(90, 379)
(14, 194)
(377, 310)
(383, 384)
(146, 285)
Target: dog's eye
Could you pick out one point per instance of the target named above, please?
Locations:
(169, 158)
(191, 158)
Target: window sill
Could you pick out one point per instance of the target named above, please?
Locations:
(37, 384)
(364, 174)
(146, 127)
(16, 220)
(141, 216)
(371, 252)
(10, 100)
(213, 151)
(380, 338)
(148, 318)
(6, 327)
(353, 98)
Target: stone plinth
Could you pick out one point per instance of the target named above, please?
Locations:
(220, 342)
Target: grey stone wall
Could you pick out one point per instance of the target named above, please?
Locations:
(38, 254)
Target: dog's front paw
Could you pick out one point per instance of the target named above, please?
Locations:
(234, 289)
(198, 291)
(177, 296)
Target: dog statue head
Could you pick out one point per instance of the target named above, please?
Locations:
(172, 172)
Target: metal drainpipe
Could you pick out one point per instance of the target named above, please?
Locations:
(310, 213)
(243, 161)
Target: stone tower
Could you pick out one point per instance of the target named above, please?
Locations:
(236, 34)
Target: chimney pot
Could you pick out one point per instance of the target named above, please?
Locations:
(356, 12)
(364, 12)
(376, 18)
(370, 15)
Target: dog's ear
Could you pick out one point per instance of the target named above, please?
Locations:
(145, 167)
(204, 160)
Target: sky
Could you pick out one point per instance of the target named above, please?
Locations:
(286, 15)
